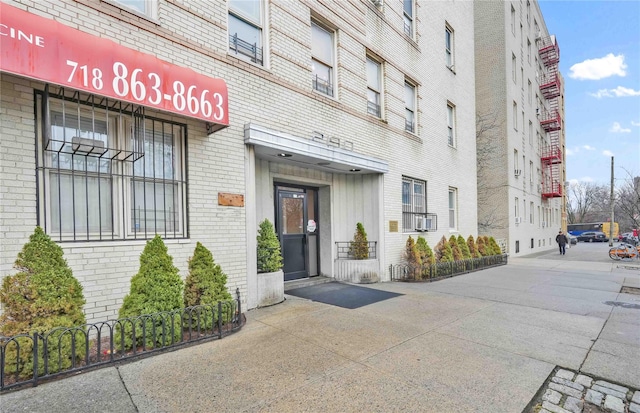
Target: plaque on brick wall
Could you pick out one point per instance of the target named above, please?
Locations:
(393, 226)
(226, 199)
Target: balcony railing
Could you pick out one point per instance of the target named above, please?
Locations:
(322, 85)
(351, 250)
(239, 46)
(409, 126)
(373, 108)
(429, 272)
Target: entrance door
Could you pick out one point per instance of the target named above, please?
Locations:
(292, 216)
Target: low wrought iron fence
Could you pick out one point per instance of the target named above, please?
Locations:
(348, 250)
(426, 272)
(31, 358)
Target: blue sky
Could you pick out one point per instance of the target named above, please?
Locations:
(600, 61)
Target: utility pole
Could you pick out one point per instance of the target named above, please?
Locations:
(611, 202)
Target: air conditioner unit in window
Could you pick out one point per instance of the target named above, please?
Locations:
(517, 172)
(518, 220)
(420, 223)
(377, 3)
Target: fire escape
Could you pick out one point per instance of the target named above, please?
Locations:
(550, 120)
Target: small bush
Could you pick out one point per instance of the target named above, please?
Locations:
(464, 248)
(426, 256)
(269, 255)
(41, 297)
(494, 247)
(157, 287)
(412, 257)
(443, 251)
(473, 247)
(206, 284)
(483, 248)
(455, 249)
(359, 247)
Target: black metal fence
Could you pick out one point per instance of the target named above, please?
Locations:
(427, 272)
(348, 250)
(30, 358)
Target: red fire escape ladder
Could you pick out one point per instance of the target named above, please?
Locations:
(550, 119)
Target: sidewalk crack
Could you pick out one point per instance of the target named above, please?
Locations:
(126, 389)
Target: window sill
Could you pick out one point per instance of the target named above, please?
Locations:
(134, 12)
(247, 61)
(123, 243)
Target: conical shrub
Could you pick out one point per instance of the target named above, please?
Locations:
(473, 247)
(464, 248)
(43, 296)
(443, 251)
(483, 248)
(412, 258)
(426, 256)
(455, 249)
(269, 255)
(157, 287)
(359, 247)
(495, 248)
(205, 286)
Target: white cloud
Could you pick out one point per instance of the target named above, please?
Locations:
(569, 152)
(607, 152)
(616, 128)
(595, 69)
(618, 92)
(635, 123)
(586, 179)
(589, 148)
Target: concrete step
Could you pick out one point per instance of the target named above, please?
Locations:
(306, 282)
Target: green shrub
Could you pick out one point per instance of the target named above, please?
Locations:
(412, 258)
(359, 247)
(157, 287)
(425, 251)
(269, 256)
(41, 297)
(455, 249)
(464, 248)
(495, 248)
(473, 247)
(443, 251)
(206, 284)
(483, 248)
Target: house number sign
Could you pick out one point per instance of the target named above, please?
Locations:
(46, 50)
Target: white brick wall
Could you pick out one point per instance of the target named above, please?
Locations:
(277, 96)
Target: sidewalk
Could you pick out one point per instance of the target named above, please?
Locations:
(480, 342)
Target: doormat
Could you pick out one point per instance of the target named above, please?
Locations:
(342, 295)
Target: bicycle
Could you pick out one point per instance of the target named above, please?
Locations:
(624, 251)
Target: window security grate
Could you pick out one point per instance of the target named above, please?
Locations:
(244, 48)
(108, 172)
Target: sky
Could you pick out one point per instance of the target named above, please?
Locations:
(600, 61)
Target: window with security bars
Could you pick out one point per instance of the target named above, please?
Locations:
(108, 172)
(414, 202)
(245, 29)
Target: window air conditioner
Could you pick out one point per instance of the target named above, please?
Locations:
(518, 220)
(427, 224)
(419, 223)
(517, 172)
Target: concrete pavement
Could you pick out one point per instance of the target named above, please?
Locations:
(480, 342)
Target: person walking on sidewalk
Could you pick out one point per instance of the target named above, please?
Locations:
(562, 241)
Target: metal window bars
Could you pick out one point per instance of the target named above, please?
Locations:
(322, 85)
(90, 163)
(244, 48)
(373, 108)
(409, 126)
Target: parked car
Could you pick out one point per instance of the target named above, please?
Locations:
(573, 240)
(592, 236)
(628, 238)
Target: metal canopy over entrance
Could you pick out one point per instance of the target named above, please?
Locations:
(306, 153)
